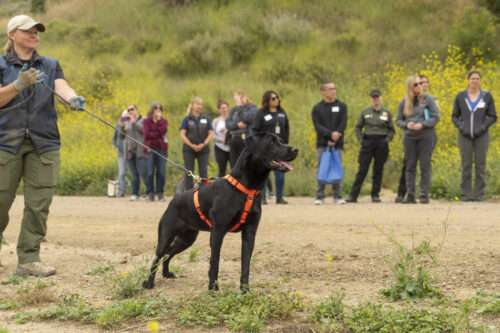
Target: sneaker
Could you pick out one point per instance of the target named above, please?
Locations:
(376, 199)
(351, 199)
(134, 198)
(38, 269)
(318, 202)
(151, 197)
(161, 197)
(399, 199)
(339, 201)
(281, 201)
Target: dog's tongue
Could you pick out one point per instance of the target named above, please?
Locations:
(286, 165)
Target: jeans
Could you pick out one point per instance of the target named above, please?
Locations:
(189, 158)
(337, 187)
(122, 171)
(236, 144)
(473, 152)
(139, 170)
(279, 178)
(156, 171)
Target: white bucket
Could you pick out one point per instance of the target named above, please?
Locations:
(112, 188)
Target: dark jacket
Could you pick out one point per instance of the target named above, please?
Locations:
(197, 130)
(425, 112)
(155, 134)
(475, 123)
(376, 123)
(328, 118)
(272, 122)
(245, 113)
(34, 114)
(136, 131)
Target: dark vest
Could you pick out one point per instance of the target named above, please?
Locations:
(33, 117)
(197, 131)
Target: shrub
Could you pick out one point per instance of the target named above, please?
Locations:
(287, 29)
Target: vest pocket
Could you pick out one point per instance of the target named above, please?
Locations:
(6, 172)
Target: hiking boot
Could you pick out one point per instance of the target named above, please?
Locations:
(399, 199)
(376, 199)
(161, 197)
(264, 201)
(319, 202)
(38, 269)
(410, 199)
(151, 197)
(281, 201)
(351, 199)
(424, 200)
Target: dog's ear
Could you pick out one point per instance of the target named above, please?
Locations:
(253, 140)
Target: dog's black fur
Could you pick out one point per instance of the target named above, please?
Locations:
(223, 204)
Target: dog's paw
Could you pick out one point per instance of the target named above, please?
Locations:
(214, 286)
(169, 275)
(148, 284)
(245, 289)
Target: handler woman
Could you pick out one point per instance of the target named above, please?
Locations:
(196, 134)
(272, 118)
(29, 137)
(418, 115)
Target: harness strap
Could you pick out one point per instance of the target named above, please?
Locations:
(250, 193)
(198, 210)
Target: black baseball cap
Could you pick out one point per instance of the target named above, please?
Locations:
(375, 93)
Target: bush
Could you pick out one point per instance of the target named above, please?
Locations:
(287, 29)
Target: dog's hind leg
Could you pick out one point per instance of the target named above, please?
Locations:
(182, 241)
(166, 235)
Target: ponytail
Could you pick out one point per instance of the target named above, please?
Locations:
(8, 46)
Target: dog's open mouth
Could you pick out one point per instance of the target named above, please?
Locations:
(281, 165)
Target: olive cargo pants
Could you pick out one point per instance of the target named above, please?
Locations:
(39, 174)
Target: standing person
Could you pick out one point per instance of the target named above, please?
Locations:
(424, 82)
(272, 118)
(155, 137)
(238, 124)
(330, 120)
(473, 114)
(418, 116)
(220, 132)
(119, 144)
(137, 157)
(374, 140)
(196, 134)
(29, 137)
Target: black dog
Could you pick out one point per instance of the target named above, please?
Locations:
(222, 204)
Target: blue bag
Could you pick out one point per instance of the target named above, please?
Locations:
(330, 169)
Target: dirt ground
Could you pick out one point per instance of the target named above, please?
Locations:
(315, 250)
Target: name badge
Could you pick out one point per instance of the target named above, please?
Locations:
(368, 116)
(281, 115)
(335, 109)
(277, 130)
(268, 117)
(481, 104)
(203, 121)
(384, 118)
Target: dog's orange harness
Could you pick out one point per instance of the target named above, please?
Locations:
(251, 194)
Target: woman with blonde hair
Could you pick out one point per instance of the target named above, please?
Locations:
(417, 116)
(196, 134)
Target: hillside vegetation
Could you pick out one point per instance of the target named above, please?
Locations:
(120, 52)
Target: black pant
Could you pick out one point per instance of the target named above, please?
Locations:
(189, 158)
(236, 146)
(222, 159)
(402, 181)
(419, 149)
(378, 150)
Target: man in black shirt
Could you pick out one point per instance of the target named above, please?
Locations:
(330, 120)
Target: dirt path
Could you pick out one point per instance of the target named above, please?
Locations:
(315, 250)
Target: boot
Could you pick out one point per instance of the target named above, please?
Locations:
(38, 269)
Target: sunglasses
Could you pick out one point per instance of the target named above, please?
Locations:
(131, 109)
(275, 98)
(416, 84)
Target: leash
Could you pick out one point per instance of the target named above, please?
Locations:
(197, 179)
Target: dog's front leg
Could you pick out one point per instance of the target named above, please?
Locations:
(216, 238)
(247, 244)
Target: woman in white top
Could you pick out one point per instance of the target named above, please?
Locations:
(219, 127)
